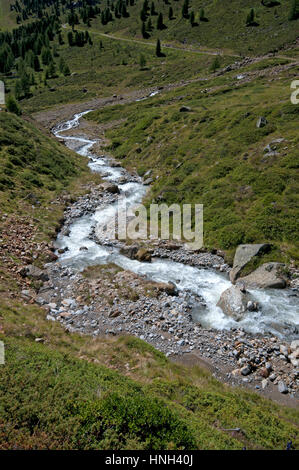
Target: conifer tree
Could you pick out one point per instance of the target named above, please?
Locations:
(294, 12)
(160, 24)
(158, 48)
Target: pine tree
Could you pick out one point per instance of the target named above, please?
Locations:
(185, 9)
(36, 65)
(13, 106)
(66, 70)
(52, 70)
(158, 48)
(143, 30)
(160, 24)
(294, 13)
(250, 18)
(215, 64)
(142, 61)
(70, 38)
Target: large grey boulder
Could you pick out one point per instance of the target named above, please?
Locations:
(244, 255)
(234, 302)
(269, 275)
(34, 272)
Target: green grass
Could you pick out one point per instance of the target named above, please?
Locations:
(34, 170)
(215, 155)
(225, 29)
(63, 394)
(112, 69)
(7, 17)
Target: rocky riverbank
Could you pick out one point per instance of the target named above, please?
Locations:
(108, 300)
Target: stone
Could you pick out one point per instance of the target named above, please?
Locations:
(267, 276)
(185, 109)
(50, 256)
(264, 372)
(244, 255)
(284, 350)
(282, 388)
(167, 287)
(294, 345)
(233, 302)
(144, 254)
(129, 251)
(264, 383)
(148, 181)
(246, 370)
(110, 187)
(261, 122)
(36, 273)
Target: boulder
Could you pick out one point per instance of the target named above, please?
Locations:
(261, 122)
(34, 273)
(144, 254)
(185, 109)
(265, 277)
(167, 287)
(244, 255)
(110, 187)
(233, 302)
(282, 388)
(294, 345)
(148, 181)
(129, 251)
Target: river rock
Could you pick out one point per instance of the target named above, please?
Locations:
(110, 187)
(167, 287)
(243, 255)
(129, 251)
(144, 254)
(233, 302)
(282, 388)
(34, 273)
(294, 345)
(266, 276)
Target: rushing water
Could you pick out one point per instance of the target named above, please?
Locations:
(279, 308)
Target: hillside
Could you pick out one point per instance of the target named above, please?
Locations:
(245, 176)
(45, 404)
(218, 24)
(102, 354)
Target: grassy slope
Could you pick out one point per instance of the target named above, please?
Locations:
(113, 69)
(76, 392)
(215, 155)
(225, 29)
(44, 401)
(7, 17)
(35, 167)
